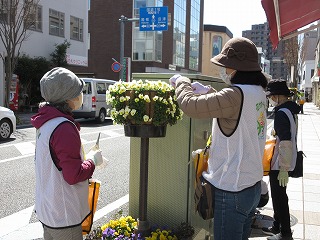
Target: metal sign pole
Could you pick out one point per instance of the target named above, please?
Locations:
(122, 21)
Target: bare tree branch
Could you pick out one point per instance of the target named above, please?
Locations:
(16, 17)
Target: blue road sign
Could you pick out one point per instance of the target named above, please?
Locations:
(153, 19)
(116, 66)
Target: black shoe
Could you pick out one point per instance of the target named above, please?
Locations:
(280, 237)
(270, 231)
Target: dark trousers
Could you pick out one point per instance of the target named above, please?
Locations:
(280, 205)
(301, 108)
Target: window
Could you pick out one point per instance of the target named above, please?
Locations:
(76, 28)
(101, 88)
(194, 35)
(179, 32)
(146, 46)
(216, 45)
(4, 11)
(87, 88)
(56, 23)
(34, 20)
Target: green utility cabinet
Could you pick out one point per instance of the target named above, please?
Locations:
(171, 175)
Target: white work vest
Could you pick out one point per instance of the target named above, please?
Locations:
(293, 130)
(235, 161)
(58, 204)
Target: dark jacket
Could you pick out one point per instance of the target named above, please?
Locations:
(282, 122)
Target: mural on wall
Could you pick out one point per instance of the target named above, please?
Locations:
(216, 45)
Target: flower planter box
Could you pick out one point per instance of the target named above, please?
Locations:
(143, 103)
(145, 131)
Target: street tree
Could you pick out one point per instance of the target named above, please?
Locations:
(16, 17)
(58, 56)
(291, 55)
(30, 71)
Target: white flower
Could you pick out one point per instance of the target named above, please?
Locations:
(133, 112)
(127, 110)
(146, 98)
(121, 112)
(122, 99)
(145, 118)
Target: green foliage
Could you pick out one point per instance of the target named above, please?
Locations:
(58, 57)
(30, 71)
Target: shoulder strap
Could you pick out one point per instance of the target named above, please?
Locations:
(293, 125)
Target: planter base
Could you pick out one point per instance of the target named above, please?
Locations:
(145, 131)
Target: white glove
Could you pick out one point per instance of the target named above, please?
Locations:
(173, 80)
(196, 152)
(199, 88)
(95, 156)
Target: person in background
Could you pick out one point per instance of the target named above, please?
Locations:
(61, 201)
(238, 134)
(301, 103)
(284, 158)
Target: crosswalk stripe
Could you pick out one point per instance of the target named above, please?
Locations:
(25, 147)
(17, 225)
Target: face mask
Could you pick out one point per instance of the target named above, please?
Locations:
(273, 103)
(224, 76)
(76, 102)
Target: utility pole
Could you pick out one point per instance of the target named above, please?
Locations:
(122, 21)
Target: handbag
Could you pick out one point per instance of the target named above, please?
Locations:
(268, 154)
(204, 191)
(93, 195)
(298, 169)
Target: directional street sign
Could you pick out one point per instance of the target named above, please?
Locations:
(153, 19)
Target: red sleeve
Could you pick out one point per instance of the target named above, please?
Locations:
(66, 145)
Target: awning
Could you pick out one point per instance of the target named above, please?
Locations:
(285, 17)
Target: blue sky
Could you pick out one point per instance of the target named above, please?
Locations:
(236, 15)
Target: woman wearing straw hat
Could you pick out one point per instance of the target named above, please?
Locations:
(238, 134)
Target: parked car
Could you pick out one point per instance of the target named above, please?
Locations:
(7, 123)
(94, 99)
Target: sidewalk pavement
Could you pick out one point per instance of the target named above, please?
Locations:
(303, 193)
(23, 119)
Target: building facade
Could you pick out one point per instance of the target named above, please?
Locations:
(176, 50)
(259, 34)
(214, 38)
(55, 22)
(308, 62)
(316, 76)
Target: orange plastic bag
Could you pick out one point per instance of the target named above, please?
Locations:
(268, 154)
(94, 187)
(200, 160)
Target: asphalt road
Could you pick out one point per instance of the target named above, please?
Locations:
(18, 179)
